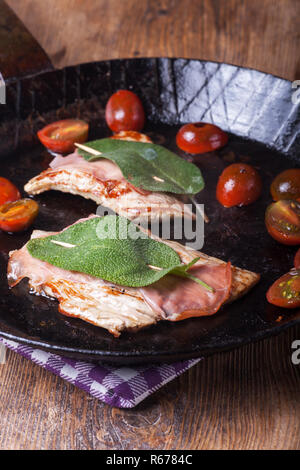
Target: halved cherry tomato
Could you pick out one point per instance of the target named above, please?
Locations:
(8, 191)
(60, 136)
(286, 185)
(297, 260)
(285, 292)
(19, 215)
(124, 112)
(200, 137)
(133, 136)
(239, 185)
(283, 221)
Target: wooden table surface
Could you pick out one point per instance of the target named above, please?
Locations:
(244, 399)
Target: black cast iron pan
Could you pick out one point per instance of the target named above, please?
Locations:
(263, 123)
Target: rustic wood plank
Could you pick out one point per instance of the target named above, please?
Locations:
(262, 35)
(244, 399)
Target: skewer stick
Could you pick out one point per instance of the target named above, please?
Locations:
(97, 153)
(88, 149)
(66, 245)
(200, 210)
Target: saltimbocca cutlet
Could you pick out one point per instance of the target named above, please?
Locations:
(118, 308)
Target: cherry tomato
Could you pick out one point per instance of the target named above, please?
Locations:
(124, 112)
(8, 191)
(60, 136)
(286, 185)
(285, 292)
(19, 215)
(238, 185)
(200, 137)
(132, 136)
(297, 260)
(283, 221)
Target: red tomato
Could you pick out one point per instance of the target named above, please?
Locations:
(8, 191)
(200, 137)
(283, 221)
(238, 185)
(132, 136)
(286, 185)
(124, 112)
(297, 260)
(285, 292)
(60, 136)
(18, 216)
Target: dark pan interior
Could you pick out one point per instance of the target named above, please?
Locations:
(255, 108)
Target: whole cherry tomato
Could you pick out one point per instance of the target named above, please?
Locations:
(200, 137)
(19, 215)
(286, 185)
(239, 185)
(283, 221)
(132, 136)
(124, 112)
(285, 292)
(8, 191)
(60, 136)
(297, 260)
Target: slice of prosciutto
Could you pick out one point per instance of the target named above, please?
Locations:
(119, 308)
(103, 182)
(176, 298)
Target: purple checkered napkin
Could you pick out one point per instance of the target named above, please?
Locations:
(123, 387)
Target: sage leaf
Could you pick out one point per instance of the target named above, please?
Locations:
(149, 166)
(111, 248)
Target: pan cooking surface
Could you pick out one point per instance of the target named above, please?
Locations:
(235, 234)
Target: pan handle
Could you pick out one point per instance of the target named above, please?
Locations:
(20, 53)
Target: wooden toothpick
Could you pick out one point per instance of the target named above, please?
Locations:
(66, 245)
(87, 149)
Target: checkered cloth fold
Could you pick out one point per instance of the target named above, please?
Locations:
(122, 387)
